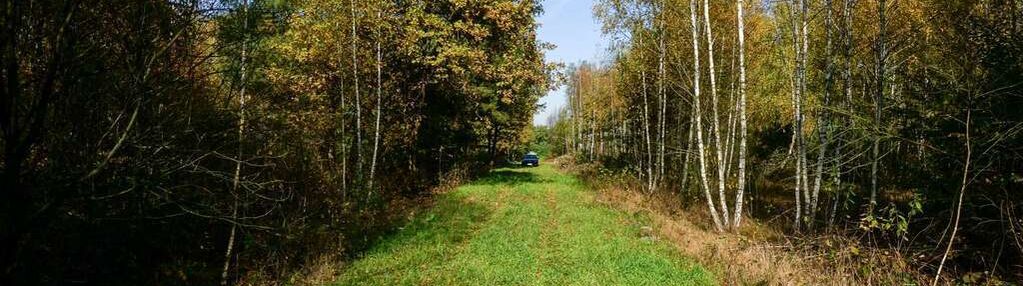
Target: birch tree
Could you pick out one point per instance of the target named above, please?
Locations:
(741, 27)
(803, 56)
(824, 124)
(646, 135)
(358, 98)
(663, 98)
(698, 114)
(799, 39)
(376, 130)
(715, 127)
(344, 109)
(881, 58)
(241, 136)
(242, 84)
(847, 39)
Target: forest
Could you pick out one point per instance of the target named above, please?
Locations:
(891, 123)
(356, 142)
(196, 142)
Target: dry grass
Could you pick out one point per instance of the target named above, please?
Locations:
(758, 254)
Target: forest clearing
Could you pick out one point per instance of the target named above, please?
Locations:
(678, 142)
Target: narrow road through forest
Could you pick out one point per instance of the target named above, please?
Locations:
(523, 226)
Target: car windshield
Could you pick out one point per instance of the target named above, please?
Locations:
(531, 157)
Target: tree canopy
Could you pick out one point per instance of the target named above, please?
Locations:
(165, 137)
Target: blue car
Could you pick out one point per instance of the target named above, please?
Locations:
(531, 159)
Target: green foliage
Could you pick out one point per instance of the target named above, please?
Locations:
(539, 141)
(125, 132)
(913, 82)
(893, 220)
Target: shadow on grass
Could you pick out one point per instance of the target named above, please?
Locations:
(508, 176)
(432, 235)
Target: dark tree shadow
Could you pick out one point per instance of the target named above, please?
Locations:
(453, 220)
(510, 177)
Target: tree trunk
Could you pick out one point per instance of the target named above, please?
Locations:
(663, 100)
(699, 122)
(823, 116)
(646, 137)
(241, 135)
(593, 133)
(358, 99)
(847, 89)
(959, 205)
(344, 126)
(376, 131)
(882, 57)
(742, 115)
(716, 128)
(797, 130)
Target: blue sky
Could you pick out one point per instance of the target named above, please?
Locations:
(569, 25)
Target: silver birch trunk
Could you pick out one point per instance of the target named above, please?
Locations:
(358, 99)
(376, 130)
(241, 135)
(593, 133)
(344, 127)
(823, 117)
(742, 116)
(716, 128)
(646, 136)
(847, 87)
(663, 99)
(802, 92)
(575, 116)
(797, 125)
(882, 55)
(699, 122)
(730, 135)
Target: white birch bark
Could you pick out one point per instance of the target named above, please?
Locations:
(573, 101)
(376, 130)
(742, 115)
(797, 125)
(344, 126)
(730, 141)
(716, 128)
(663, 98)
(802, 92)
(593, 132)
(241, 135)
(358, 100)
(699, 122)
(823, 117)
(646, 136)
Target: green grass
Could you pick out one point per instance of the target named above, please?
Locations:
(532, 226)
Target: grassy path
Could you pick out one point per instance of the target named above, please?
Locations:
(533, 226)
